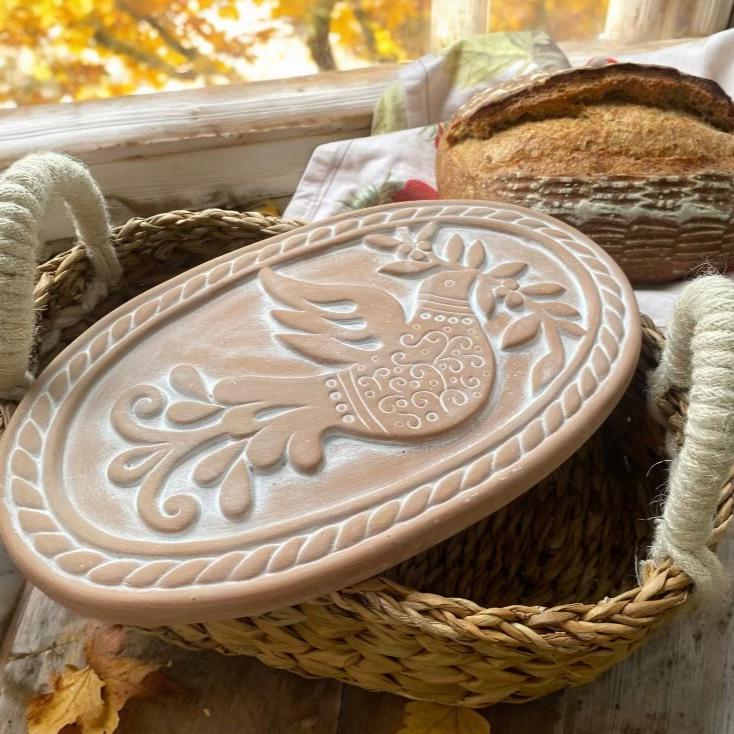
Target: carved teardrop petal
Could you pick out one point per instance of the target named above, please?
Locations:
(188, 381)
(312, 409)
(25, 495)
(33, 521)
(31, 439)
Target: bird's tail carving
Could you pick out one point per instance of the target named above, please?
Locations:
(214, 437)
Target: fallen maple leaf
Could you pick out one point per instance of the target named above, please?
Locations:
(124, 678)
(432, 718)
(92, 697)
(75, 699)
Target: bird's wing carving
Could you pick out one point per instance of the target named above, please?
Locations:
(340, 324)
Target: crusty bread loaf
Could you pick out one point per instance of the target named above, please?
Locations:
(639, 158)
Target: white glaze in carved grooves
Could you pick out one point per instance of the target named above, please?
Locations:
(388, 362)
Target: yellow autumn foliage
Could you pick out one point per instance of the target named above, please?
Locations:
(83, 48)
(432, 718)
(57, 50)
(561, 19)
(376, 30)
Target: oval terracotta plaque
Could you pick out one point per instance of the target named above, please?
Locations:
(299, 415)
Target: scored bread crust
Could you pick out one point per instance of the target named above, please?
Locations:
(602, 139)
(565, 93)
(639, 158)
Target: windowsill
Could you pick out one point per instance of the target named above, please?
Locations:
(101, 131)
(217, 146)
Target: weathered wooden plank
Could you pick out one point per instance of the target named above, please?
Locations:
(42, 638)
(104, 131)
(224, 177)
(230, 694)
(217, 146)
(682, 681)
(363, 712)
(224, 694)
(11, 584)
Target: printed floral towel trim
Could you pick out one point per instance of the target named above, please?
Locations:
(348, 174)
(429, 90)
(391, 190)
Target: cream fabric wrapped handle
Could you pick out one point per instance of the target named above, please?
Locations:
(698, 356)
(26, 189)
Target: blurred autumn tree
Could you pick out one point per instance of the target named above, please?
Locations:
(561, 19)
(76, 44)
(100, 48)
(378, 30)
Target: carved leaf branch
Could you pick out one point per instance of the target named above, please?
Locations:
(168, 433)
(521, 331)
(533, 307)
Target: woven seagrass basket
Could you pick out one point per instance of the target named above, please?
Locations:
(542, 595)
(640, 227)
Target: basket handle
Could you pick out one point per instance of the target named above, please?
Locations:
(26, 189)
(698, 356)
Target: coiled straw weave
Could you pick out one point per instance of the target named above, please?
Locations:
(539, 596)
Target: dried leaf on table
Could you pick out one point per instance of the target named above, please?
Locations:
(432, 718)
(91, 697)
(76, 699)
(103, 641)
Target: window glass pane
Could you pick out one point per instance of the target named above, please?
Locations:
(61, 50)
(562, 20)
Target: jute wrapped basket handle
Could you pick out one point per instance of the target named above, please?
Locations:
(553, 574)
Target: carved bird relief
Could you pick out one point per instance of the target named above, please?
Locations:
(387, 374)
(392, 377)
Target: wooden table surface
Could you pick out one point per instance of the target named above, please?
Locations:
(682, 682)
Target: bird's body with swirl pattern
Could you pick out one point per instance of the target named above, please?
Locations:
(390, 377)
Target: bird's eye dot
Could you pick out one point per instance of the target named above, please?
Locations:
(449, 283)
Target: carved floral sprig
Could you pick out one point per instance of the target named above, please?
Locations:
(533, 308)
